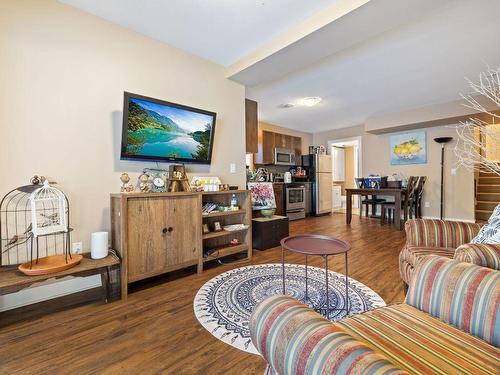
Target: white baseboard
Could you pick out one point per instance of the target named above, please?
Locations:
(48, 290)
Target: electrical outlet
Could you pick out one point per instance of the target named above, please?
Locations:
(77, 247)
(427, 204)
(232, 168)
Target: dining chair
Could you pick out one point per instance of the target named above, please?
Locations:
(389, 209)
(366, 200)
(418, 196)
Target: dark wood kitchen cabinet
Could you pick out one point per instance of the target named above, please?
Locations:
(268, 232)
(271, 140)
(268, 146)
(297, 147)
(279, 196)
(251, 126)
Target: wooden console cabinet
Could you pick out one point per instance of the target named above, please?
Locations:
(155, 233)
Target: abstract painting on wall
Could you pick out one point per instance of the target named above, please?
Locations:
(408, 148)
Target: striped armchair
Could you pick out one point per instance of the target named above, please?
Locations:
(445, 238)
(448, 325)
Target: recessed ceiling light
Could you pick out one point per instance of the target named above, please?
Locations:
(310, 101)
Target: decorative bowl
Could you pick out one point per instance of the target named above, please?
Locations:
(268, 212)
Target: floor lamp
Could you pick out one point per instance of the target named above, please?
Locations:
(442, 141)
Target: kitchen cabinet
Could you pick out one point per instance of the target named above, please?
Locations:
(283, 141)
(272, 140)
(279, 196)
(268, 146)
(297, 146)
(251, 126)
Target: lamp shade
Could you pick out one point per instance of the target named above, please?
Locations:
(443, 139)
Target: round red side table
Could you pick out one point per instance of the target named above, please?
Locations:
(317, 245)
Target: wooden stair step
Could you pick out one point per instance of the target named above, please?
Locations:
(486, 205)
(487, 174)
(490, 197)
(483, 214)
(490, 180)
(488, 188)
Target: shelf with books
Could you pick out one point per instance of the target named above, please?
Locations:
(220, 241)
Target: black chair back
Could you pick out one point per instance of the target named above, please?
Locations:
(412, 187)
(420, 186)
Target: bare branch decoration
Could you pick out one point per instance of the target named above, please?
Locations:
(475, 136)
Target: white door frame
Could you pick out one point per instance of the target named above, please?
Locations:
(360, 150)
(357, 156)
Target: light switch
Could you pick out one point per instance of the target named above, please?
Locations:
(427, 204)
(232, 168)
(453, 171)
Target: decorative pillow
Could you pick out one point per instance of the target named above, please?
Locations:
(490, 232)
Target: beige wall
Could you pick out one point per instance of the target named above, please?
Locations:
(459, 193)
(63, 73)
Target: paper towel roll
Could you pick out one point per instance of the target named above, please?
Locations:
(99, 245)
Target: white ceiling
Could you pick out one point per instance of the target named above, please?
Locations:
(221, 31)
(419, 63)
(364, 58)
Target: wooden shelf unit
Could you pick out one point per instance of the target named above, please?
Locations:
(224, 213)
(225, 251)
(222, 233)
(221, 240)
(155, 233)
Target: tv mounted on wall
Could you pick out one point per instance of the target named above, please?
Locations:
(156, 130)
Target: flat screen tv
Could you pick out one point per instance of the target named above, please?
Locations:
(156, 130)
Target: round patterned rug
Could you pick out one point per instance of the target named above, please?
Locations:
(223, 305)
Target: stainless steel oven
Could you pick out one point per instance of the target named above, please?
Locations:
(295, 201)
(283, 156)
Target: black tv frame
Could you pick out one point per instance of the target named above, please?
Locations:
(125, 156)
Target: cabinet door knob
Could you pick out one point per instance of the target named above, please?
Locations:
(167, 230)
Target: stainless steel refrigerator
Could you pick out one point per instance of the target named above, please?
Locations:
(319, 170)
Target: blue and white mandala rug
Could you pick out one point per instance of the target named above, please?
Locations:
(223, 305)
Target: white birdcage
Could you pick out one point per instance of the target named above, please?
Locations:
(48, 211)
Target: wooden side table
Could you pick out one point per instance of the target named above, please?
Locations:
(12, 280)
(268, 232)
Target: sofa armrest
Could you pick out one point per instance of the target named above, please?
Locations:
(462, 294)
(439, 233)
(294, 339)
(485, 255)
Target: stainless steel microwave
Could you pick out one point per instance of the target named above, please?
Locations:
(283, 156)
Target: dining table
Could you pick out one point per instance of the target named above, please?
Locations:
(400, 202)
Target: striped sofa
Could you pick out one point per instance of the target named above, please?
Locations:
(446, 238)
(449, 324)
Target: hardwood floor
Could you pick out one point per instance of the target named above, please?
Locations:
(155, 330)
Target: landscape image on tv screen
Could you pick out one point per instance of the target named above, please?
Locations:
(166, 131)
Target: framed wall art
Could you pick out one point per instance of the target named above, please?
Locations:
(408, 148)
